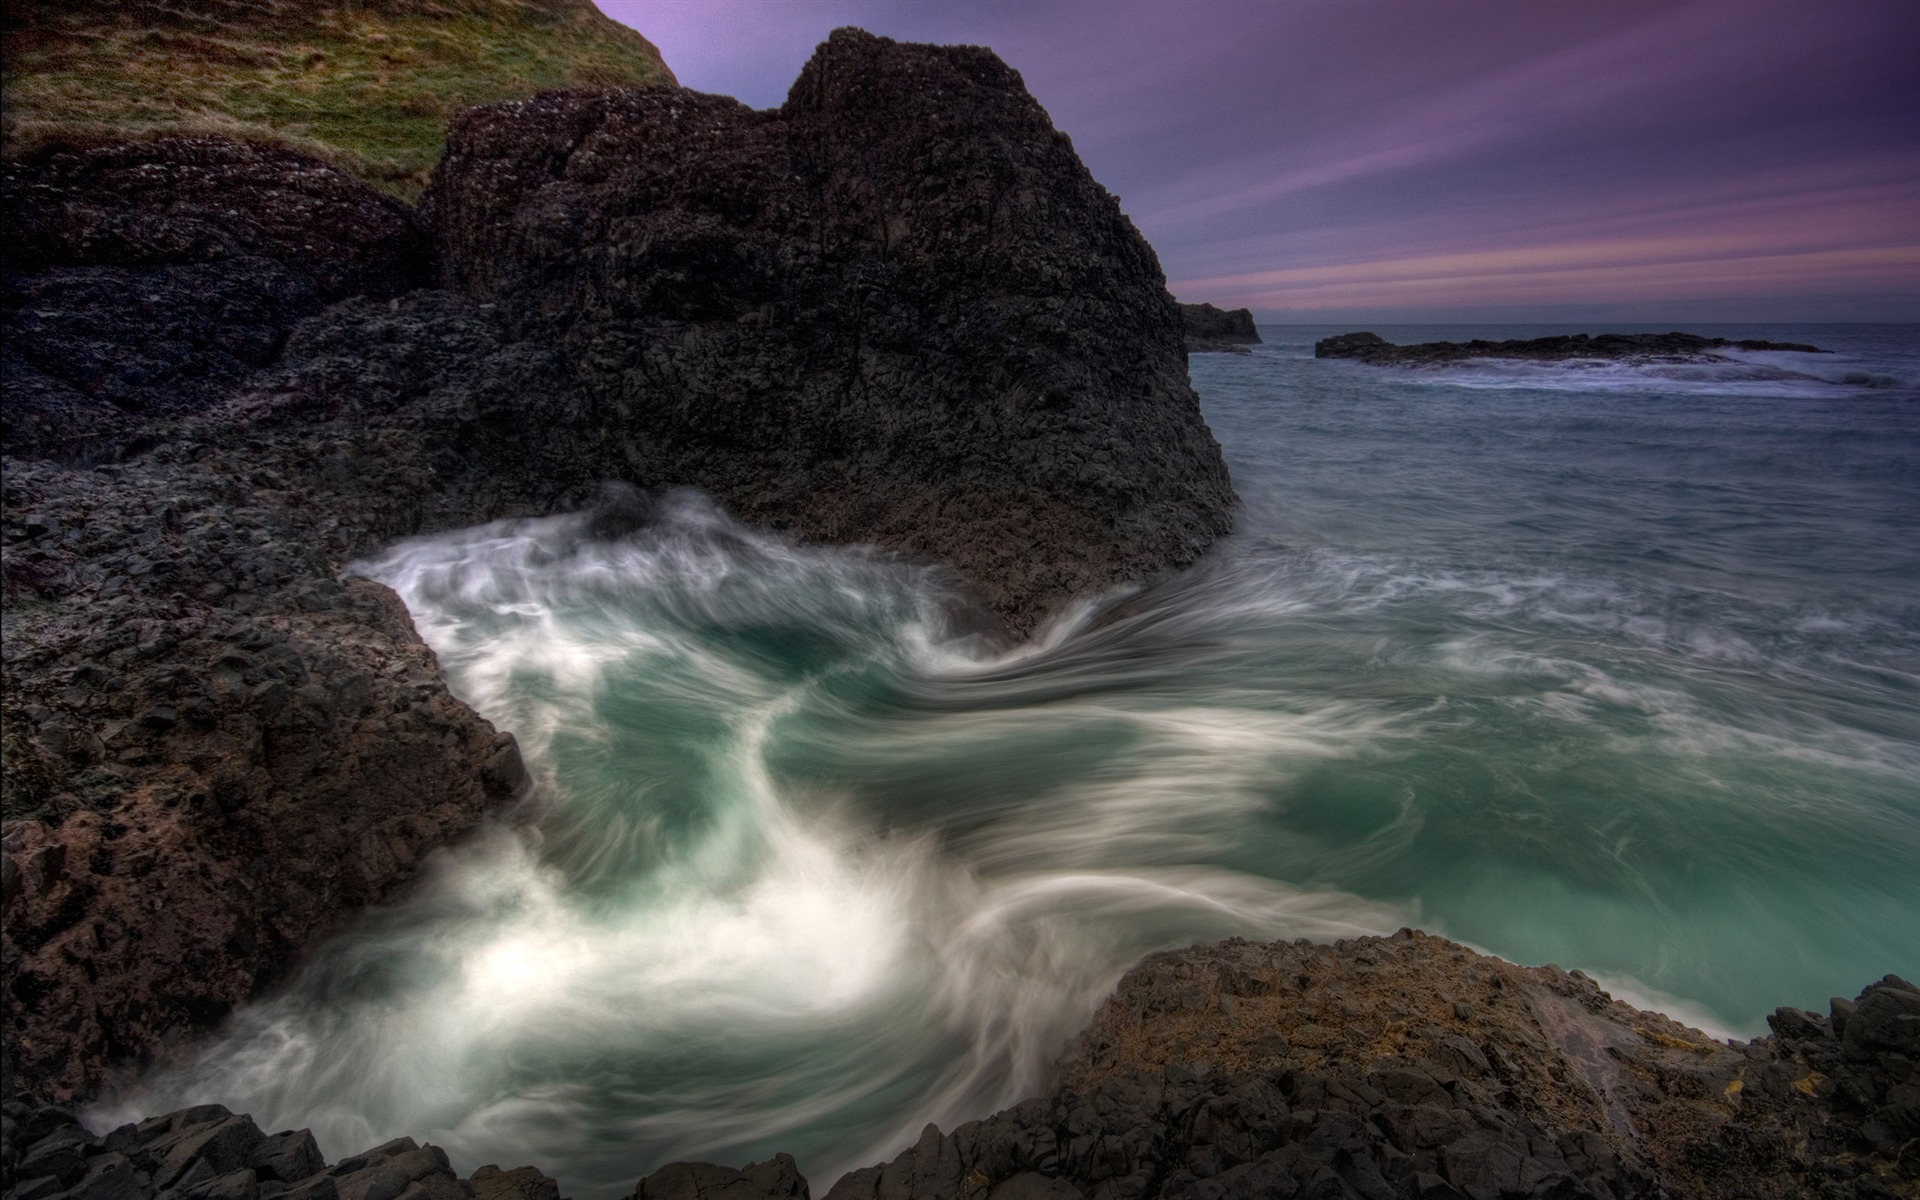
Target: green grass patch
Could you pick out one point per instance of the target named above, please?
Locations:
(367, 85)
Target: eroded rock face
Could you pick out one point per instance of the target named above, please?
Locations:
(896, 310)
(215, 748)
(170, 201)
(1412, 1067)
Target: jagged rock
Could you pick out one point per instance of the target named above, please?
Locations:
(1387, 1085)
(92, 352)
(778, 1178)
(208, 1153)
(148, 279)
(1212, 330)
(521, 1183)
(189, 686)
(896, 310)
(1372, 348)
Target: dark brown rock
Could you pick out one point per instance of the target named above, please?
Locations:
(778, 1178)
(217, 749)
(897, 310)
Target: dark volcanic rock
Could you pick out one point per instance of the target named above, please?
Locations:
(92, 352)
(149, 279)
(214, 748)
(778, 1178)
(175, 200)
(1412, 1067)
(897, 310)
(1211, 329)
(208, 1153)
(1372, 348)
(1402, 1068)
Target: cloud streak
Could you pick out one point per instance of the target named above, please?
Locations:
(1439, 157)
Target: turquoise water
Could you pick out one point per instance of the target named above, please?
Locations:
(1611, 666)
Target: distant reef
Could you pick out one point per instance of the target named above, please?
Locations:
(897, 311)
(1644, 347)
(1211, 330)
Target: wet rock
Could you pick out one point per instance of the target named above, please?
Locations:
(522, 1183)
(778, 1178)
(158, 799)
(290, 1157)
(1502, 1101)
(207, 1153)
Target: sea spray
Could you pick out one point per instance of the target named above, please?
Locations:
(1622, 678)
(740, 922)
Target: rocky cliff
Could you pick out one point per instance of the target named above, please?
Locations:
(897, 311)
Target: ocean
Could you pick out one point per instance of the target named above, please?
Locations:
(1610, 666)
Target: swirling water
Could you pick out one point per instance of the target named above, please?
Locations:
(1612, 666)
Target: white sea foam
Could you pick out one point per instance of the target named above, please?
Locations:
(814, 866)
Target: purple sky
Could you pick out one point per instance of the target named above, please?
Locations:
(1443, 159)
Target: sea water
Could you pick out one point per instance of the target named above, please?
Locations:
(1615, 666)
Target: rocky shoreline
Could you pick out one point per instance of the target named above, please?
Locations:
(897, 311)
(1628, 347)
(1406, 1066)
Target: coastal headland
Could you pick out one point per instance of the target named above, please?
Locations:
(896, 311)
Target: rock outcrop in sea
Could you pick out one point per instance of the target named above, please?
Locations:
(896, 311)
(1214, 330)
(1631, 347)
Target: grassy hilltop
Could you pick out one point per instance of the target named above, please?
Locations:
(367, 84)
